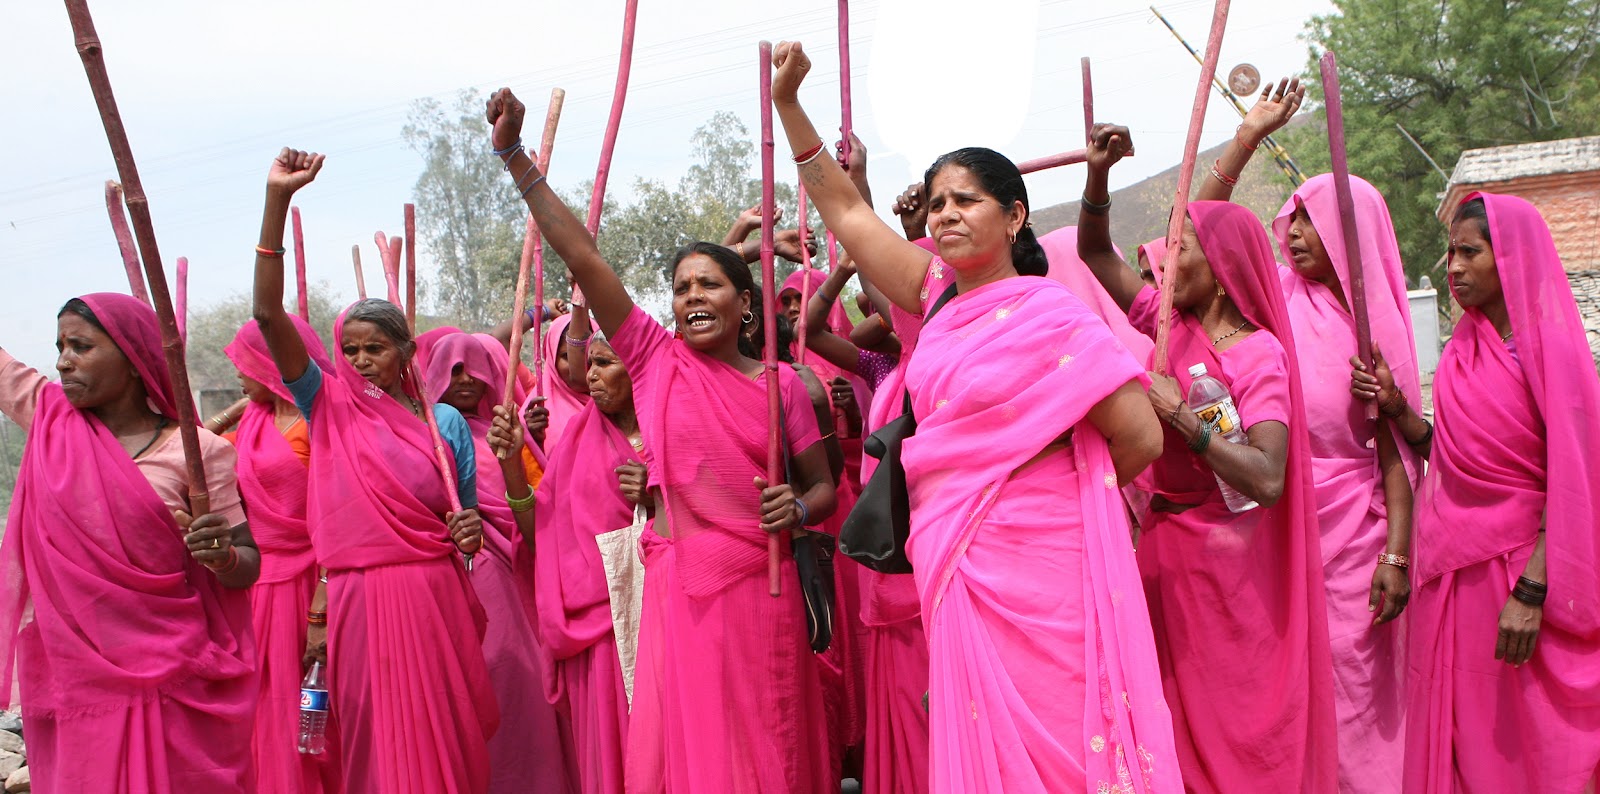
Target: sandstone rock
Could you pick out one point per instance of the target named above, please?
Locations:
(10, 762)
(19, 781)
(11, 743)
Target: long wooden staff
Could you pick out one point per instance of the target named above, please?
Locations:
(130, 255)
(805, 281)
(1180, 202)
(361, 279)
(846, 126)
(411, 266)
(302, 300)
(1088, 101)
(769, 311)
(619, 95)
(90, 51)
(180, 309)
(1338, 156)
(389, 254)
(532, 257)
(1052, 161)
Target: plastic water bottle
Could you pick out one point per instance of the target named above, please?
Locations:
(314, 711)
(1211, 401)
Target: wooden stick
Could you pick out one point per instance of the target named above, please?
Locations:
(805, 280)
(846, 119)
(1338, 155)
(130, 255)
(361, 279)
(389, 254)
(411, 266)
(1180, 202)
(304, 301)
(89, 50)
(1088, 101)
(597, 199)
(1041, 163)
(180, 309)
(769, 310)
(532, 253)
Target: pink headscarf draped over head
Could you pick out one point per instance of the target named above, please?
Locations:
(562, 400)
(375, 483)
(1061, 248)
(132, 324)
(1554, 355)
(1388, 310)
(272, 479)
(86, 531)
(427, 339)
(249, 354)
(1153, 252)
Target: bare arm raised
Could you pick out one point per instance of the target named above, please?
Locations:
(894, 264)
(607, 297)
(1107, 144)
(291, 170)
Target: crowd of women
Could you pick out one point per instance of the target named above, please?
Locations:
(1115, 589)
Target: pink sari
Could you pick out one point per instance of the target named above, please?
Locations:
(136, 666)
(1030, 691)
(580, 499)
(532, 750)
(1236, 600)
(726, 696)
(1516, 440)
(404, 627)
(563, 401)
(273, 480)
(1369, 698)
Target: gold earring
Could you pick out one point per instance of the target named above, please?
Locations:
(1221, 293)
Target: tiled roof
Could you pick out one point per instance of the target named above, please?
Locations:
(1503, 163)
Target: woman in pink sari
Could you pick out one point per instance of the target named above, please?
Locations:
(561, 352)
(726, 696)
(533, 750)
(1236, 598)
(405, 630)
(274, 448)
(1503, 691)
(593, 485)
(128, 623)
(1029, 413)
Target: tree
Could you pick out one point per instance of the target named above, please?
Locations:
(213, 327)
(1459, 75)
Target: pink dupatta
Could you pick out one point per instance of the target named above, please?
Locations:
(1061, 248)
(562, 400)
(1276, 618)
(88, 534)
(1469, 500)
(1022, 359)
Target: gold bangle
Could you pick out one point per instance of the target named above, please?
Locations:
(522, 505)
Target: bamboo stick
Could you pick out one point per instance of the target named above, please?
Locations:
(805, 281)
(532, 254)
(619, 95)
(411, 266)
(389, 254)
(90, 51)
(361, 279)
(1041, 163)
(1180, 202)
(303, 300)
(130, 255)
(1339, 157)
(769, 310)
(1088, 101)
(180, 309)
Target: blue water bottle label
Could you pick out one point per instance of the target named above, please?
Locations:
(313, 700)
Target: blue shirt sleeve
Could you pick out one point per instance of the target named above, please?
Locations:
(305, 389)
(453, 429)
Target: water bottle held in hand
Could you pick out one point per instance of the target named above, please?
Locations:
(1211, 401)
(314, 711)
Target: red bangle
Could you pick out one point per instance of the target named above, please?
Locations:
(1216, 171)
(809, 155)
(1237, 137)
(230, 565)
(270, 253)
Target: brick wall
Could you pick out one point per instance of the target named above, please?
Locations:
(1570, 204)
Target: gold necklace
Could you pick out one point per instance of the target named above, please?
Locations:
(637, 442)
(1219, 339)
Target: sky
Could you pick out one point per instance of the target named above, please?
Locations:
(209, 92)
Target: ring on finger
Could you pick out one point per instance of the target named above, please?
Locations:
(216, 543)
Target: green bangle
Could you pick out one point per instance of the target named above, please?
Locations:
(1201, 442)
(522, 505)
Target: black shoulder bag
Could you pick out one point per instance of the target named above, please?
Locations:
(813, 560)
(875, 532)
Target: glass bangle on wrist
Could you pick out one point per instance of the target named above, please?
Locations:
(522, 505)
(1397, 560)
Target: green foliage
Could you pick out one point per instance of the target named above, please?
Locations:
(12, 439)
(213, 327)
(1457, 75)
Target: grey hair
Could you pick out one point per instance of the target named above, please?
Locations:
(388, 318)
